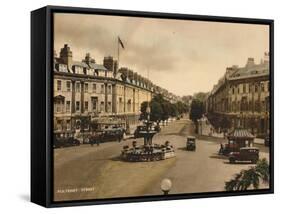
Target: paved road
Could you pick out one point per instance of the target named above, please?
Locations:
(87, 172)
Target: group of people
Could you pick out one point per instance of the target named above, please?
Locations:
(95, 139)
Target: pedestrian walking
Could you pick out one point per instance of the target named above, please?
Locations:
(120, 135)
(98, 139)
(91, 141)
(221, 149)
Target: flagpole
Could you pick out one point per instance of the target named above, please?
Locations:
(118, 50)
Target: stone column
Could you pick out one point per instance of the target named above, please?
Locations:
(82, 97)
(105, 97)
(114, 98)
(73, 97)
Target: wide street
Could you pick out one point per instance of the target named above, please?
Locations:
(86, 172)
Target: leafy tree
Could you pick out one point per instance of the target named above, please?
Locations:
(143, 115)
(200, 96)
(167, 109)
(156, 113)
(196, 110)
(162, 109)
(249, 178)
(181, 107)
(174, 110)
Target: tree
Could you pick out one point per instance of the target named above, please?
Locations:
(162, 109)
(143, 114)
(200, 96)
(174, 110)
(156, 113)
(249, 178)
(167, 109)
(196, 110)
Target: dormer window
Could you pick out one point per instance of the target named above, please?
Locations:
(85, 71)
(78, 69)
(62, 68)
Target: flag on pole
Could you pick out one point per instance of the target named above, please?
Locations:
(121, 43)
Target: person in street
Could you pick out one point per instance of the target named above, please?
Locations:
(119, 136)
(91, 140)
(221, 148)
(98, 139)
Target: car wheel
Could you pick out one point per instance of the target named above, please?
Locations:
(231, 160)
(254, 161)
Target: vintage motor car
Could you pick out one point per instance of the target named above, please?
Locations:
(245, 154)
(190, 143)
(60, 142)
(112, 134)
(266, 141)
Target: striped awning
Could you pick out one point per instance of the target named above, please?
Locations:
(241, 134)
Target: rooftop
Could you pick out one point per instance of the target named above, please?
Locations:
(240, 133)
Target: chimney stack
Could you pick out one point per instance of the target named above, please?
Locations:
(66, 55)
(250, 62)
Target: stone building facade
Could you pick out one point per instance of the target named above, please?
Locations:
(86, 91)
(241, 98)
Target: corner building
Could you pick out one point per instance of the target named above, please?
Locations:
(242, 98)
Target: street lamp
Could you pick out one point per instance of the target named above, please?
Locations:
(166, 186)
(148, 112)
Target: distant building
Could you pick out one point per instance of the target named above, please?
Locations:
(241, 98)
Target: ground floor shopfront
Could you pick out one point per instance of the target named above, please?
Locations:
(84, 125)
(257, 123)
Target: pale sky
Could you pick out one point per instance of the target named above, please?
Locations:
(182, 56)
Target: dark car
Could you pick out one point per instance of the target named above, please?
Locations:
(60, 142)
(112, 134)
(245, 154)
(267, 141)
(190, 143)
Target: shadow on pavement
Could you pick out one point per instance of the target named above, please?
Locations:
(216, 156)
(182, 148)
(116, 158)
(239, 163)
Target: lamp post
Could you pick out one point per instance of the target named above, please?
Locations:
(166, 186)
(147, 137)
(148, 112)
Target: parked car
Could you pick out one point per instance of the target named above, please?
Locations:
(60, 142)
(191, 143)
(226, 149)
(245, 154)
(112, 134)
(267, 141)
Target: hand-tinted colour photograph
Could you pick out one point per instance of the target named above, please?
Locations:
(148, 107)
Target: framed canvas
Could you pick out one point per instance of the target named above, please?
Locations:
(134, 106)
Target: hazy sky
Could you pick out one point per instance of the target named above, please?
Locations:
(181, 56)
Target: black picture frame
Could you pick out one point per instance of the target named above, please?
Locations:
(42, 108)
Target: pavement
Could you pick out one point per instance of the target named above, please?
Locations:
(86, 172)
